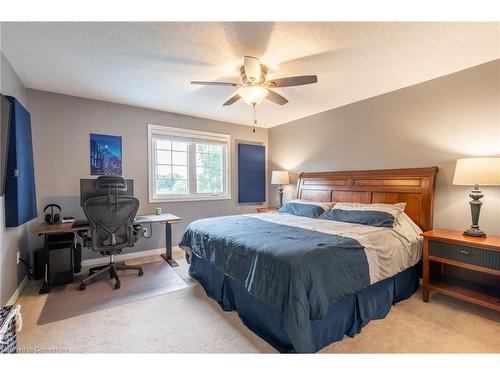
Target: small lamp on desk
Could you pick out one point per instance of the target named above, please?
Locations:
(280, 178)
(477, 171)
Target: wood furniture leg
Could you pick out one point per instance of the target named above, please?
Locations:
(168, 246)
(425, 278)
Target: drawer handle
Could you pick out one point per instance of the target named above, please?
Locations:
(465, 252)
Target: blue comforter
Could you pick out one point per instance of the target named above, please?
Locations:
(297, 272)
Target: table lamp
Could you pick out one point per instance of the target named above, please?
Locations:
(477, 171)
(280, 178)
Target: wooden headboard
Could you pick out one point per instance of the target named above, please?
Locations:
(414, 186)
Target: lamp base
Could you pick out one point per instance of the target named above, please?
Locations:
(473, 232)
(475, 208)
(280, 192)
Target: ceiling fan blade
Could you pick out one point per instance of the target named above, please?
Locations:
(293, 81)
(276, 98)
(214, 83)
(252, 68)
(233, 99)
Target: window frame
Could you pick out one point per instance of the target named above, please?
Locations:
(187, 133)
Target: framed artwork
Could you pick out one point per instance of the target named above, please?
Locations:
(105, 155)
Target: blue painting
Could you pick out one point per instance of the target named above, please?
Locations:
(105, 155)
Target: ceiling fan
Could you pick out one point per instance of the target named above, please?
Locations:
(254, 87)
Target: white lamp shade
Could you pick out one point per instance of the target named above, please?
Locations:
(477, 171)
(280, 178)
(253, 94)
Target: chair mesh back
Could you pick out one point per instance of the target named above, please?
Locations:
(110, 218)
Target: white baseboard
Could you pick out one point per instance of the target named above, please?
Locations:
(123, 257)
(13, 299)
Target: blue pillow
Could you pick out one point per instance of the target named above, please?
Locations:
(304, 208)
(375, 215)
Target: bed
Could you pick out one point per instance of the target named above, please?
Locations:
(302, 283)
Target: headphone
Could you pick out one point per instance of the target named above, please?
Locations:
(51, 218)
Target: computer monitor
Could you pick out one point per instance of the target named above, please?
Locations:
(88, 190)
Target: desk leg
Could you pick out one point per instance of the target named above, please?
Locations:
(77, 265)
(168, 246)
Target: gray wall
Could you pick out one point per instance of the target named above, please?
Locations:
(11, 239)
(61, 126)
(432, 123)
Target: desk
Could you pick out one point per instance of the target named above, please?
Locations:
(167, 219)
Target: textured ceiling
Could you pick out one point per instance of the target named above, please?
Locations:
(151, 64)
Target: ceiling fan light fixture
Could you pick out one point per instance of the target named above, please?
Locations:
(253, 88)
(253, 95)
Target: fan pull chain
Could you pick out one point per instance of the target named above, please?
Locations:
(254, 117)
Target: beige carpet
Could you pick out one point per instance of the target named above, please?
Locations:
(187, 321)
(65, 301)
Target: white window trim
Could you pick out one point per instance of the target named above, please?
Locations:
(188, 133)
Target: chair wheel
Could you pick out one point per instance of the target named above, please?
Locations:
(82, 286)
(140, 273)
(117, 286)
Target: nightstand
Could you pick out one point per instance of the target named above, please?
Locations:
(463, 267)
(267, 209)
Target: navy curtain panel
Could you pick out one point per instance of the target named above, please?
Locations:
(251, 173)
(20, 195)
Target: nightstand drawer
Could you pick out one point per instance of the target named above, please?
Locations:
(465, 254)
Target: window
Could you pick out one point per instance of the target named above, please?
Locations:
(188, 164)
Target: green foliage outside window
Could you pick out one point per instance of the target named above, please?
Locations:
(209, 168)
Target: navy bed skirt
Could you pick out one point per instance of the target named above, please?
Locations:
(346, 317)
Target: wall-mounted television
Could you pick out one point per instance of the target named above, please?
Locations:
(6, 109)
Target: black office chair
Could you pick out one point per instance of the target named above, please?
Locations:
(111, 218)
